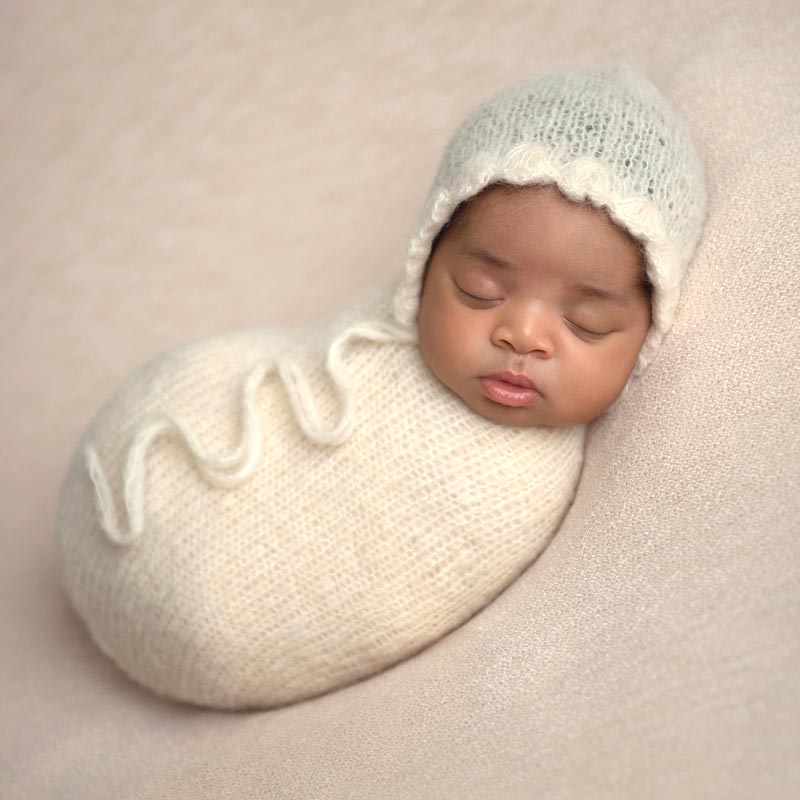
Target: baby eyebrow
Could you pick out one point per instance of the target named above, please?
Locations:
(489, 258)
(587, 290)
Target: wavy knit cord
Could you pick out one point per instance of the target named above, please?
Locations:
(299, 392)
(210, 466)
(604, 135)
(229, 471)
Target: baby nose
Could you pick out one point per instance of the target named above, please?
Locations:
(524, 331)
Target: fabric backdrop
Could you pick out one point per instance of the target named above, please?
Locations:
(171, 171)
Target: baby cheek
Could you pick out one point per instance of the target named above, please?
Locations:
(600, 381)
(447, 346)
(580, 367)
(433, 343)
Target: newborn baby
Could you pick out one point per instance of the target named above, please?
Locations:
(261, 517)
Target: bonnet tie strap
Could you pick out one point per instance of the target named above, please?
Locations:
(232, 469)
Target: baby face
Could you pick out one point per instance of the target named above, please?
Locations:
(534, 308)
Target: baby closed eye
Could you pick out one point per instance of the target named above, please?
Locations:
(585, 332)
(485, 301)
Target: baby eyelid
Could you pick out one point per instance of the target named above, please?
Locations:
(586, 331)
(476, 297)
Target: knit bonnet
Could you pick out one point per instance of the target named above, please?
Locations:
(604, 135)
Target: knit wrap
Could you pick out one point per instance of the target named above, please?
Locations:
(231, 540)
(604, 135)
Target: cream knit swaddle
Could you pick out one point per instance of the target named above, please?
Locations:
(328, 562)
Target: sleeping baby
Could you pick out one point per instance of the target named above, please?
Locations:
(263, 516)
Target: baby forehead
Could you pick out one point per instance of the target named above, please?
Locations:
(540, 209)
(507, 200)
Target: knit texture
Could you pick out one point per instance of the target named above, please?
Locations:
(231, 540)
(604, 135)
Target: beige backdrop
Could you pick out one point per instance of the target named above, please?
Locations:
(174, 170)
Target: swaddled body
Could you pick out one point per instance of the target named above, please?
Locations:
(328, 562)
